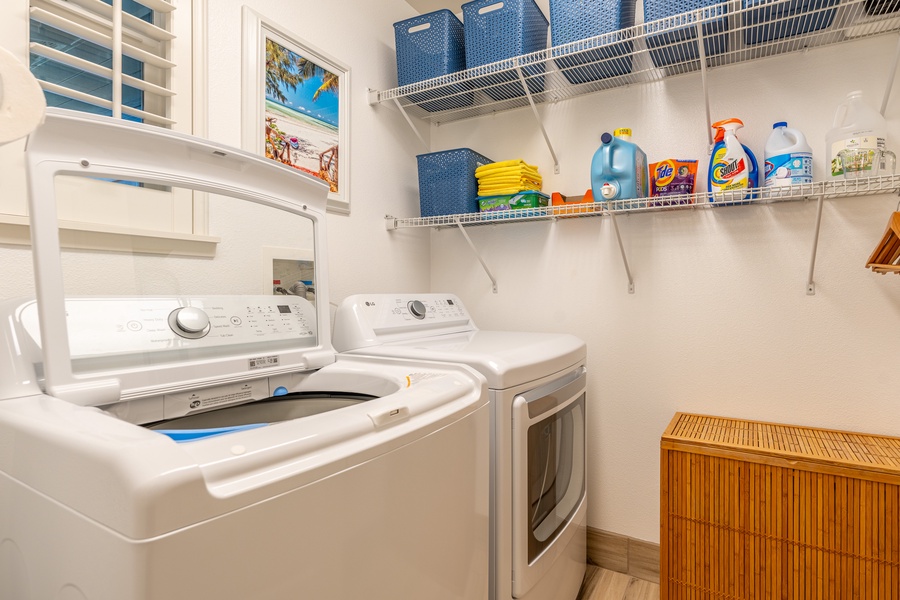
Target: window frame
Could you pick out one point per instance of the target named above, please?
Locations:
(188, 233)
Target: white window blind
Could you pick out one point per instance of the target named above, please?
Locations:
(111, 57)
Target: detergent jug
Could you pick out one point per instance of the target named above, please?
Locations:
(856, 125)
(788, 157)
(619, 170)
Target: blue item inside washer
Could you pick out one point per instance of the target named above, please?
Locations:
(189, 435)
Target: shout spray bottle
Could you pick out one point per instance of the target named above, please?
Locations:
(732, 166)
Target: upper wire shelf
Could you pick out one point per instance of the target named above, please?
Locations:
(645, 53)
(839, 188)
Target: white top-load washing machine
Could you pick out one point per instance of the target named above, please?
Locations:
(537, 390)
(189, 445)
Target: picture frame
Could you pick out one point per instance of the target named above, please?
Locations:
(295, 105)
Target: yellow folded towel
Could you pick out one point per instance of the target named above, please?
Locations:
(507, 180)
(529, 185)
(506, 171)
(508, 191)
(503, 191)
(507, 177)
(502, 164)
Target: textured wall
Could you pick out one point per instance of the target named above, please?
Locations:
(720, 322)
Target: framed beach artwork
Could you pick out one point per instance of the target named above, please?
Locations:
(295, 106)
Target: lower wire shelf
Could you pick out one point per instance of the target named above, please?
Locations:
(838, 188)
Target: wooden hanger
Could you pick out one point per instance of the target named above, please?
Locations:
(885, 257)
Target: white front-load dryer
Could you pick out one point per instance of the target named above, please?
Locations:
(203, 442)
(537, 387)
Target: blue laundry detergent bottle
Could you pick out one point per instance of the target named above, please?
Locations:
(732, 165)
(619, 171)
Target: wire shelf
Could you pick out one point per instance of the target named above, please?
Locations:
(839, 188)
(653, 51)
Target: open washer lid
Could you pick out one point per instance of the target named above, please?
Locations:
(74, 145)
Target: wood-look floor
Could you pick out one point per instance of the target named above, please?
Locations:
(601, 584)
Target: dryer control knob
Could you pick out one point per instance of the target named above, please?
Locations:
(191, 320)
(417, 309)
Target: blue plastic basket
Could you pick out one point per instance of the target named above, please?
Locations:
(776, 20)
(447, 184)
(680, 45)
(429, 46)
(881, 7)
(500, 29)
(573, 20)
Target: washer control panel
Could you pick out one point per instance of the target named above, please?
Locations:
(111, 326)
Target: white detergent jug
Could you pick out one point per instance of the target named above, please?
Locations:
(788, 157)
(856, 125)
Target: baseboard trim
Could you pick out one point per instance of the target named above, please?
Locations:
(623, 554)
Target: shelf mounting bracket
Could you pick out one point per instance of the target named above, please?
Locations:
(411, 124)
(810, 284)
(890, 82)
(478, 255)
(537, 117)
(701, 48)
(612, 216)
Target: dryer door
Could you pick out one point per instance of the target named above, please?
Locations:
(548, 475)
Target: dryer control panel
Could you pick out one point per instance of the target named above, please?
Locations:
(367, 319)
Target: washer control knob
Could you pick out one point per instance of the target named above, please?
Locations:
(189, 322)
(417, 309)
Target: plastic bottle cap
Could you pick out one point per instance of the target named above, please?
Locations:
(779, 124)
(609, 190)
(606, 138)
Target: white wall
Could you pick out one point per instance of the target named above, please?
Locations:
(363, 255)
(720, 322)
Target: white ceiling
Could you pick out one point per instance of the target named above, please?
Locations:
(427, 6)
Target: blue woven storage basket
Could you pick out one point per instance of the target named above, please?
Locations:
(882, 7)
(447, 184)
(517, 27)
(776, 20)
(428, 46)
(573, 20)
(680, 45)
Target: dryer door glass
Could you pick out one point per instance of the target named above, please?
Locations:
(555, 474)
(548, 475)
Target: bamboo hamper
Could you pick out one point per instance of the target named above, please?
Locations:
(756, 510)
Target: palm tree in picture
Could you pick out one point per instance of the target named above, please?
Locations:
(308, 69)
(329, 84)
(281, 70)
